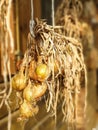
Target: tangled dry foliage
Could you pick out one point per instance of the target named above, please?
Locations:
(70, 15)
(67, 15)
(64, 57)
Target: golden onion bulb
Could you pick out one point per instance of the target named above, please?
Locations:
(28, 110)
(42, 72)
(38, 71)
(39, 90)
(31, 93)
(19, 81)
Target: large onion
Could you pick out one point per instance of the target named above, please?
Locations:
(31, 93)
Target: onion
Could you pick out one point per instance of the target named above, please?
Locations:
(19, 81)
(42, 72)
(31, 93)
(38, 72)
(28, 110)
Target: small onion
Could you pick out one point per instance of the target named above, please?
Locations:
(19, 81)
(31, 93)
(28, 110)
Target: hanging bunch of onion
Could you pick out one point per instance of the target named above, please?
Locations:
(32, 86)
(54, 64)
(32, 90)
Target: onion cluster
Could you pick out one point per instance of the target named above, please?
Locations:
(32, 86)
